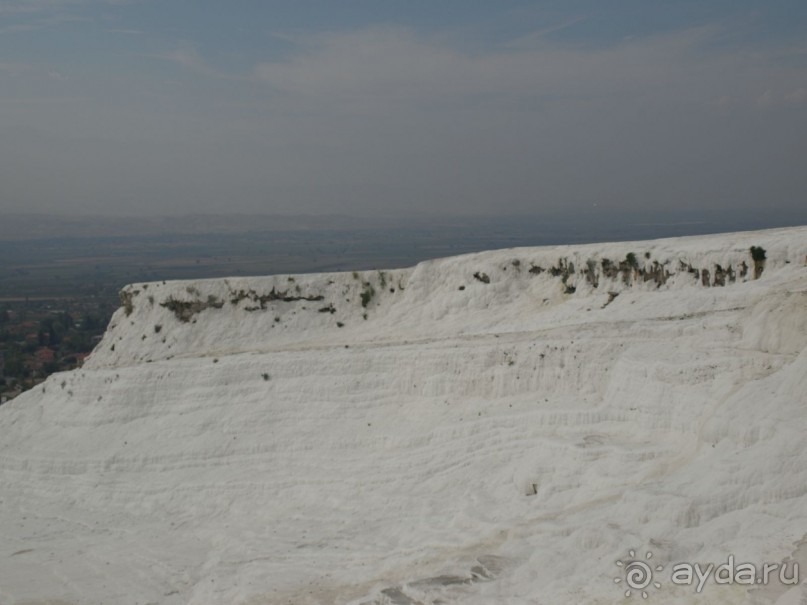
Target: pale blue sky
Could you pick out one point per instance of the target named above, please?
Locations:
(401, 107)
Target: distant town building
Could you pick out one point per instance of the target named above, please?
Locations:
(43, 356)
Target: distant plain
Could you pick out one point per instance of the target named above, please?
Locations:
(56, 257)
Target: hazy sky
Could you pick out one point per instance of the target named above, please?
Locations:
(391, 107)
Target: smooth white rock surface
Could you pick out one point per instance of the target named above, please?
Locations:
(468, 442)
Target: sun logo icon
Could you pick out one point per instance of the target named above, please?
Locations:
(638, 574)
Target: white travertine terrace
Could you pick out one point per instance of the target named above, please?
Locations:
(497, 428)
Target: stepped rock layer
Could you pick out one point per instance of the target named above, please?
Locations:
(499, 427)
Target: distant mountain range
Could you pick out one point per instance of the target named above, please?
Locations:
(34, 226)
(595, 224)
